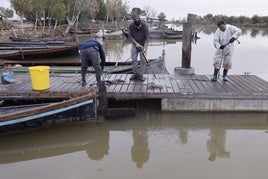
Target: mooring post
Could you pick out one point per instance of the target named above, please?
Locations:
(186, 45)
(163, 54)
(186, 50)
(103, 99)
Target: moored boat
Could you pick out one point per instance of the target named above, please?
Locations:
(160, 33)
(156, 66)
(20, 117)
(113, 35)
(33, 50)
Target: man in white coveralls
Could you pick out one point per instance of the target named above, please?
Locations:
(224, 37)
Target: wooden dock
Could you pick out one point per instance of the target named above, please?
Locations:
(176, 92)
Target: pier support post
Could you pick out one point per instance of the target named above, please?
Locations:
(186, 50)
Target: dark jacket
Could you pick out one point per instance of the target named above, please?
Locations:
(93, 43)
(141, 36)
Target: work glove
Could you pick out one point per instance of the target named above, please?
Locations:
(102, 66)
(222, 46)
(232, 40)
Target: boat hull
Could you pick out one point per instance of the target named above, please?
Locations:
(15, 118)
(161, 34)
(38, 52)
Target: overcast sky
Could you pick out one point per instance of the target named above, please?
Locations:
(179, 8)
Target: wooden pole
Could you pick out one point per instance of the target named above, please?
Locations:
(186, 45)
(186, 68)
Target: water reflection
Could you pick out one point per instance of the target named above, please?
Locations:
(119, 50)
(94, 138)
(140, 150)
(216, 144)
(56, 141)
(100, 146)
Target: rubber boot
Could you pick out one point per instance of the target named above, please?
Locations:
(83, 74)
(215, 75)
(224, 75)
(133, 77)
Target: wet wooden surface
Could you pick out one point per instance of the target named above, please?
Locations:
(61, 86)
(187, 86)
(159, 86)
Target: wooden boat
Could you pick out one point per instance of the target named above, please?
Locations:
(113, 35)
(160, 33)
(166, 33)
(44, 39)
(34, 115)
(80, 32)
(156, 66)
(31, 50)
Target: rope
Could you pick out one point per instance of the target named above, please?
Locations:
(116, 64)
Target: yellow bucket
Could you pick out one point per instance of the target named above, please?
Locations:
(39, 77)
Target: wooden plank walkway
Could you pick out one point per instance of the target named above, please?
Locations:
(61, 86)
(186, 86)
(177, 92)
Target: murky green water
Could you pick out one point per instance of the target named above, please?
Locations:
(150, 145)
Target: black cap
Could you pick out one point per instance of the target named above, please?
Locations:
(220, 22)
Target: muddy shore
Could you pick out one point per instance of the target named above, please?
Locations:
(14, 30)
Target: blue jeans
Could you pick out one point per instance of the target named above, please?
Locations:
(138, 69)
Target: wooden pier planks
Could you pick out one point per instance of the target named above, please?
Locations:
(164, 86)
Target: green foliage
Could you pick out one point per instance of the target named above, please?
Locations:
(101, 15)
(241, 20)
(22, 7)
(59, 11)
(116, 9)
(256, 19)
(6, 12)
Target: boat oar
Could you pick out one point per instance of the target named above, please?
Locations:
(112, 113)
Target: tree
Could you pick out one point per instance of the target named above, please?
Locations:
(162, 17)
(116, 9)
(208, 18)
(76, 7)
(265, 20)
(38, 10)
(22, 7)
(111, 9)
(150, 13)
(58, 12)
(101, 15)
(6, 12)
(124, 10)
(256, 19)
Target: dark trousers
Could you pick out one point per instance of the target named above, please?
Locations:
(90, 56)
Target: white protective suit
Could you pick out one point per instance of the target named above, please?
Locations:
(222, 38)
